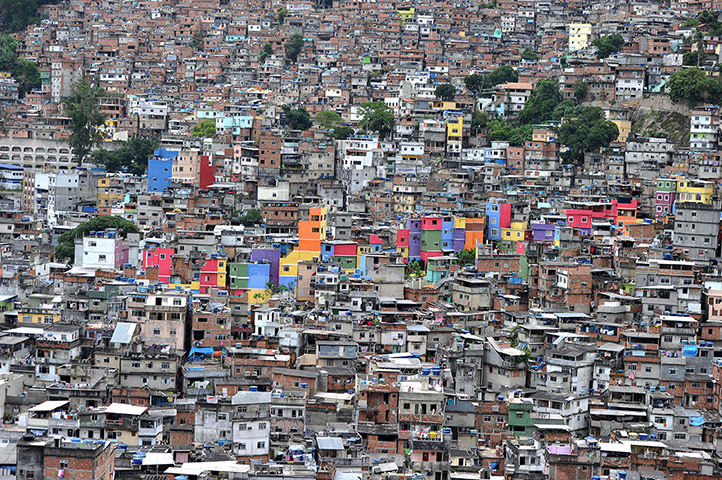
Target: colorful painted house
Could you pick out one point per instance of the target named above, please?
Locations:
(311, 233)
(517, 232)
(207, 172)
(213, 274)
(271, 256)
(438, 268)
(251, 279)
(665, 197)
(694, 191)
(474, 232)
(160, 170)
(625, 212)
(161, 258)
(343, 252)
(499, 216)
(431, 235)
(413, 225)
(402, 243)
(542, 232)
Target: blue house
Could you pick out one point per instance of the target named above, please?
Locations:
(160, 169)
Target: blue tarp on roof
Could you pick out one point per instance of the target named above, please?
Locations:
(696, 421)
(689, 351)
(201, 350)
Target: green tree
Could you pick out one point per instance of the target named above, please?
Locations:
(542, 103)
(474, 83)
(608, 45)
(205, 129)
(690, 58)
(27, 75)
(445, 92)
(66, 242)
(342, 133)
(197, 40)
(479, 121)
(529, 54)
(377, 117)
(502, 131)
(699, 38)
(15, 15)
(588, 132)
(293, 46)
(334, 124)
(25, 72)
(131, 157)
(251, 217)
(466, 257)
(694, 86)
(328, 119)
(501, 75)
(266, 52)
(297, 118)
(86, 120)
(8, 53)
(281, 15)
(415, 268)
(581, 90)
(563, 62)
(709, 22)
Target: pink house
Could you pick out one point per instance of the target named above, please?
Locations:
(582, 218)
(161, 258)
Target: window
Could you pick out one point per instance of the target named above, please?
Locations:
(261, 445)
(63, 464)
(156, 331)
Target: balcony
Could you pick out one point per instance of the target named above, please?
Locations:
(150, 431)
(250, 415)
(63, 423)
(430, 466)
(199, 392)
(121, 424)
(165, 308)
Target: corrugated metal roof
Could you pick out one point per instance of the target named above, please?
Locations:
(123, 333)
(329, 443)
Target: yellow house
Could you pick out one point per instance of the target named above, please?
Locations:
(455, 128)
(625, 128)
(195, 285)
(515, 232)
(38, 315)
(579, 34)
(110, 191)
(694, 191)
(407, 14)
(311, 233)
(260, 295)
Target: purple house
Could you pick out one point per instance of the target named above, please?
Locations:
(274, 258)
(542, 232)
(414, 226)
(459, 239)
